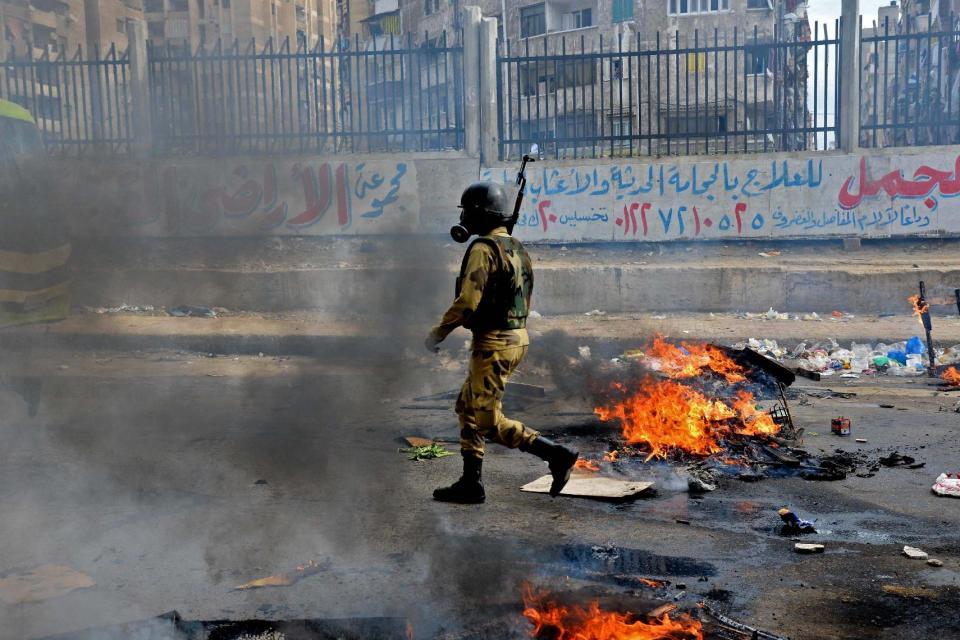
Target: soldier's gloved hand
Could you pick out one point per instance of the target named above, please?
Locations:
(431, 344)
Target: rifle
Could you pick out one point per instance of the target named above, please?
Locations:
(522, 184)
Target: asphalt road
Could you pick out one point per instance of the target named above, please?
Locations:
(171, 478)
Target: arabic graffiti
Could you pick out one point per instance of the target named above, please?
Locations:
(299, 197)
(740, 198)
(926, 180)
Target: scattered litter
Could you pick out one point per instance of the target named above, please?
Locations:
(659, 316)
(811, 317)
(416, 441)
(431, 451)
(769, 254)
(915, 554)
(897, 460)
(861, 440)
(595, 312)
(803, 547)
(840, 426)
(584, 486)
(188, 311)
(933, 562)
(947, 484)
(742, 629)
(45, 582)
(584, 352)
(793, 524)
(849, 375)
(123, 308)
(535, 314)
(909, 592)
(284, 579)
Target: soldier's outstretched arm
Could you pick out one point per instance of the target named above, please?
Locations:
(480, 264)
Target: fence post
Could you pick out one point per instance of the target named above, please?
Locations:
(848, 76)
(489, 120)
(91, 12)
(471, 79)
(142, 133)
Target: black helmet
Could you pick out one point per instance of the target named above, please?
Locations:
(484, 205)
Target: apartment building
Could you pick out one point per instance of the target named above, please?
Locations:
(202, 23)
(555, 102)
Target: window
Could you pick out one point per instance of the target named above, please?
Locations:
(687, 7)
(693, 123)
(225, 4)
(579, 19)
(430, 6)
(179, 5)
(121, 25)
(201, 9)
(155, 29)
(153, 6)
(758, 4)
(758, 59)
(533, 21)
(543, 78)
(622, 10)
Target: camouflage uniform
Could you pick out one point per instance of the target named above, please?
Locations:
(493, 301)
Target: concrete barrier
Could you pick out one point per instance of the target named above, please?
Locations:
(885, 193)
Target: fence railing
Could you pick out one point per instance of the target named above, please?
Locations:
(78, 103)
(391, 96)
(909, 82)
(386, 95)
(702, 93)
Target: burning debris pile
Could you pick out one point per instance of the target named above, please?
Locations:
(556, 621)
(695, 399)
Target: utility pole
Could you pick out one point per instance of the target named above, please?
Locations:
(849, 85)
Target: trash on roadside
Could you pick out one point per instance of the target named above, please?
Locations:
(769, 254)
(284, 579)
(947, 484)
(188, 311)
(914, 554)
(803, 547)
(861, 440)
(595, 312)
(933, 562)
(45, 582)
(430, 451)
(840, 426)
(793, 524)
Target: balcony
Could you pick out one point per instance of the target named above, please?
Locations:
(385, 6)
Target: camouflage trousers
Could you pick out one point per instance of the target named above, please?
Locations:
(480, 402)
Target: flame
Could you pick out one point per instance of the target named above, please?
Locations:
(667, 415)
(690, 360)
(951, 376)
(920, 307)
(586, 465)
(611, 456)
(656, 584)
(576, 622)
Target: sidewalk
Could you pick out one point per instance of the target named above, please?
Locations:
(323, 335)
(350, 275)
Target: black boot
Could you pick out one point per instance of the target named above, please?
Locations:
(468, 489)
(560, 458)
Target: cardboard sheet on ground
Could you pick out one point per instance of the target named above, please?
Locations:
(591, 486)
(44, 582)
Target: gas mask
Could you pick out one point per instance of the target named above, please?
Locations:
(462, 232)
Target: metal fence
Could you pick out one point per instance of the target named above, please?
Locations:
(705, 93)
(910, 82)
(79, 103)
(390, 96)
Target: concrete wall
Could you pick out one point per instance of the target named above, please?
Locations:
(905, 192)
(262, 196)
(902, 192)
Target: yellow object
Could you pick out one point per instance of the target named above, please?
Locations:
(14, 111)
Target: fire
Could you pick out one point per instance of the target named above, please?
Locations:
(656, 584)
(576, 622)
(691, 360)
(952, 376)
(667, 415)
(611, 456)
(586, 465)
(920, 307)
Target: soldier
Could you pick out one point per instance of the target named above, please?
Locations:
(493, 301)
